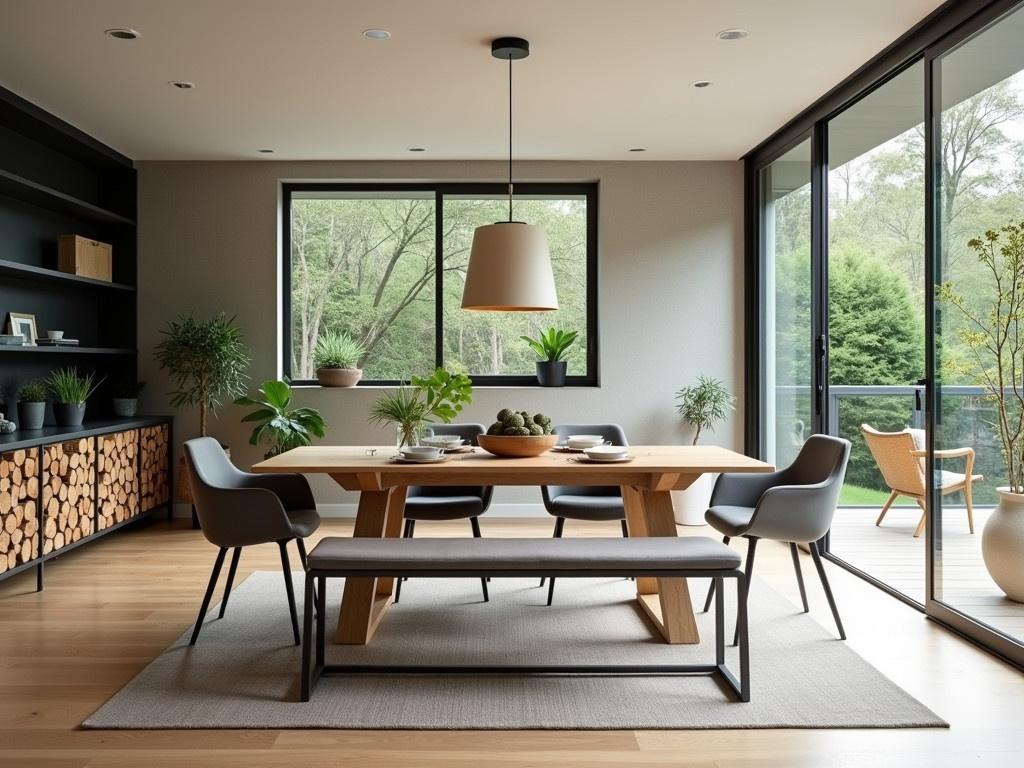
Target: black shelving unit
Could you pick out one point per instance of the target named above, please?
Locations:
(56, 180)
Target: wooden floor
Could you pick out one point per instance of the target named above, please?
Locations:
(109, 608)
(891, 554)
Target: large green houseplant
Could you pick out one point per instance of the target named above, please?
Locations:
(277, 423)
(992, 332)
(438, 397)
(703, 406)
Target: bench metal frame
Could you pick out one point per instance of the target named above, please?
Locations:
(315, 645)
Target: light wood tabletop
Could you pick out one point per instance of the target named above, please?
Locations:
(645, 484)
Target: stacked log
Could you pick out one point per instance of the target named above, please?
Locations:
(155, 469)
(69, 476)
(117, 492)
(19, 507)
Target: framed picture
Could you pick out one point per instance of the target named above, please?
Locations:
(22, 325)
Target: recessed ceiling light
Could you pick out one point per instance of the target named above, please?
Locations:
(265, 151)
(637, 149)
(417, 149)
(732, 34)
(184, 85)
(700, 83)
(122, 33)
(376, 34)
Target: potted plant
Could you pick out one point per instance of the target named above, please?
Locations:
(70, 391)
(994, 324)
(32, 404)
(206, 360)
(551, 348)
(336, 356)
(126, 398)
(276, 423)
(703, 406)
(439, 397)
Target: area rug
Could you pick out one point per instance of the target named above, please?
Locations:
(243, 671)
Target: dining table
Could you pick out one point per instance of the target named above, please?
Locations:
(382, 481)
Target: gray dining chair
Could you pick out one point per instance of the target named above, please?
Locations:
(447, 502)
(238, 509)
(794, 505)
(589, 503)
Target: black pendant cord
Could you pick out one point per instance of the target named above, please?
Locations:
(510, 140)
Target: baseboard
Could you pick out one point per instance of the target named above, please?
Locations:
(349, 510)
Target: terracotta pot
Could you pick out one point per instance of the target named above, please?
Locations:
(1002, 544)
(338, 377)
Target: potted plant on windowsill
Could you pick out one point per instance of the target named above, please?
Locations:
(207, 360)
(32, 404)
(994, 325)
(277, 423)
(70, 391)
(551, 347)
(703, 406)
(126, 398)
(336, 356)
(439, 397)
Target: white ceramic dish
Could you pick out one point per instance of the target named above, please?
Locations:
(606, 452)
(400, 459)
(584, 441)
(420, 452)
(443, 441)
(617, 460)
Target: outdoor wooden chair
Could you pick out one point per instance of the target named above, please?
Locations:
(901, 460)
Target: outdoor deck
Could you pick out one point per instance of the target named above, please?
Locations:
(892, 555)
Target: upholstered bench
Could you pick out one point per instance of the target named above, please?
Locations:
(666, 557)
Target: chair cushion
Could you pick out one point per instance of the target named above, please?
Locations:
(945, 479)
(576, 507)
(602, 555)
(304, 521)
(731, 521)
(443, 507)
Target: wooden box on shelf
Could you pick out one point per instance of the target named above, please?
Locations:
(81, 256)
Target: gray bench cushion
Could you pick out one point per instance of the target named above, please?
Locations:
(630, 556)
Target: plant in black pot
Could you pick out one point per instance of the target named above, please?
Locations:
(70, 390)
(32, 404)
(126, 398)
(551, 347)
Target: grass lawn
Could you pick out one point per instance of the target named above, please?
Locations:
(856, 496)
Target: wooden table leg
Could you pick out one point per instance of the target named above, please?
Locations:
(665, 601)
(365, 600)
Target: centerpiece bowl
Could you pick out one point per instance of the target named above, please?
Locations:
(517, 446)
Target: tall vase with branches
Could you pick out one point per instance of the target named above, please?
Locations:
(992, 333)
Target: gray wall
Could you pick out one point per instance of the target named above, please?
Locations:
(671, 290)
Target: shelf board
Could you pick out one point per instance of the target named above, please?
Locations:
(29, 271)
(67, 350)
(32, 192)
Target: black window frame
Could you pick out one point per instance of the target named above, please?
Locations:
(587, 190)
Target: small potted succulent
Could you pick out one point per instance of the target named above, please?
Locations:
(70, 391)
(277, 423)
(126, 398)
(336, 356)
(703, 406)
(551, 347)
(32, 404)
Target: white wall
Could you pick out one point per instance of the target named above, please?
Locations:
(671, 290)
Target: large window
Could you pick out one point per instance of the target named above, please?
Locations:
(387, 264)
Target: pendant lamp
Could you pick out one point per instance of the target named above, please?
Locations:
(509, 264)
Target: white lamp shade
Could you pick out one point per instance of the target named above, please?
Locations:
(509, 270)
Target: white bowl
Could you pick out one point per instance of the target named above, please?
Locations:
(606, 452)
(585, 441)
(55, 334)
(444, 441)
(421, 452)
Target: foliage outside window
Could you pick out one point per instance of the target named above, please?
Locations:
(364, 261)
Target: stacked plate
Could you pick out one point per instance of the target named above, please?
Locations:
(608, 454)
(420, 454)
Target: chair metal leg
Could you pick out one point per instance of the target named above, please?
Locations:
(625, 529)
(748, 570)
(301, 546)
(231, 580)
(407, 531)
(714, 584)
(559, 527)
(209, 593)
(816, 556)
(286, 567)
(799, 574)
(475, 525)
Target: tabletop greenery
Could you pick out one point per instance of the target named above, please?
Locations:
(438, 397)
(338, 349)
(551, 345)
(705, 404)
(277, 423)
(71, 388)
(207, 361)
(33, 391)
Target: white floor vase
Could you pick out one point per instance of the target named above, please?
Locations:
(1002, 544)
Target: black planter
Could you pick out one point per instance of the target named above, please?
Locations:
(68, 414)
(551, 373)
(31, 415)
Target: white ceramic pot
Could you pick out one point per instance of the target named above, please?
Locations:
(1002, 544)
(691, 504)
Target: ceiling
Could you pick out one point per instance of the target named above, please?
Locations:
(298, 77)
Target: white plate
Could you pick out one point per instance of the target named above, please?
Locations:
(617, 460)
(399, 459)
(435, 442)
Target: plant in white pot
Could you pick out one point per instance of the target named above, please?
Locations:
(992, 333)
(336, 356)
(703, 406)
